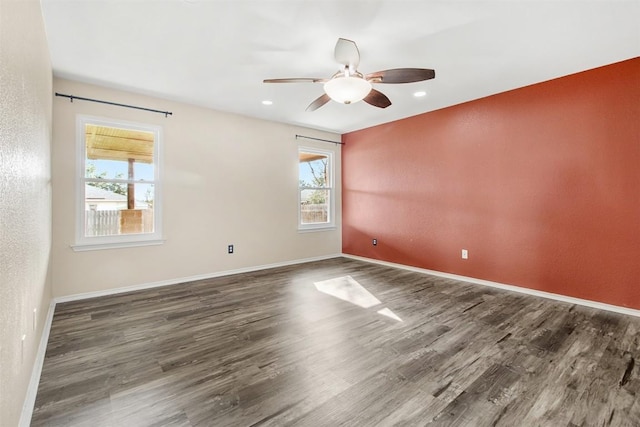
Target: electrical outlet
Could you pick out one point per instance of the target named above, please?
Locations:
(375, 242)
(230, 249)
(465, 254)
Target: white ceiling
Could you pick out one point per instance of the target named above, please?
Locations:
(216, 53)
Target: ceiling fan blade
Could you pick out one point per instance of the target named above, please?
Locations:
(377, 99)
(319, 102)
(346, 53)
(401, 75)
(295, 80)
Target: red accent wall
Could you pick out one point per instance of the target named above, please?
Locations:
(540, 184)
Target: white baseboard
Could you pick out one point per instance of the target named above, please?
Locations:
(142, 286)
(543, 294)
(32, 389)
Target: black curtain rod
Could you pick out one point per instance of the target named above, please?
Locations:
(72, 97)
(319, 139)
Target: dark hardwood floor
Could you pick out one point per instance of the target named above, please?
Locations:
(275, 348)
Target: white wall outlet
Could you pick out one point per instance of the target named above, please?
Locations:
(465, 254)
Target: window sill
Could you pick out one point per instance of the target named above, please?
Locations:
(312, 229)
(114, 245)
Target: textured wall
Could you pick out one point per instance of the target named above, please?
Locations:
(227, 179)
(541, 185)
(25, 196)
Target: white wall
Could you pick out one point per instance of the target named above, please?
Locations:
(228, 179)
(25, 197)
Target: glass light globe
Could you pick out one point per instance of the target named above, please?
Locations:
(347, 90)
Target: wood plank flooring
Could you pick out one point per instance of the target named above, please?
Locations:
(269, 349)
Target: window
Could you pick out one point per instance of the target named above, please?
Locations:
(118, 186)
(316, 193)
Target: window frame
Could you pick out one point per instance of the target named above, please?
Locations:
(87, 243)
(321, 226)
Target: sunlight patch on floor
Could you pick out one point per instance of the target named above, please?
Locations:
(390, 314)
(348, 289)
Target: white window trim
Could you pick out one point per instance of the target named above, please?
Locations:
(330, 225)
(84, 243)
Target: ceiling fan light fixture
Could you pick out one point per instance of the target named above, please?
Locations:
(347, 90)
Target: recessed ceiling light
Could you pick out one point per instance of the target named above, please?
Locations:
(267, 102)
(420, 94)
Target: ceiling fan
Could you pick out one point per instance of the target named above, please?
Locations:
(349, 85)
